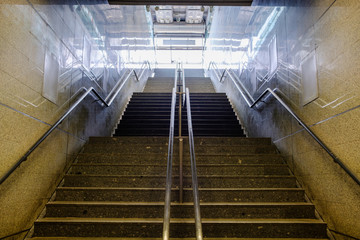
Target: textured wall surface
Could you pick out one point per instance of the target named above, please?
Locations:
(47, 53)
(324, 30)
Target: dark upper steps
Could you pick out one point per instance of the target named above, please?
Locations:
(149, 114)
(116, 188)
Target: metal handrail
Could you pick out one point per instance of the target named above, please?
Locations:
(181, 139)
(176, 75)
(107, 102)
(142, 70)
(183, 82)
(198, 225)
(166, 221)
(251, 103)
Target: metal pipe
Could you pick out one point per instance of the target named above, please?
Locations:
(183, 82)
(115, 91)
(198, 225)
(136, 76)
(166, 221)
(42, 138)
(251, 103)
(312, 134)
(222, 76)
(180, 113)
(176, 76)
(105, 101)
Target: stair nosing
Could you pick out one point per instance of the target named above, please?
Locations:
(180, 220)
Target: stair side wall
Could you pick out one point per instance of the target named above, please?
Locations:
(326, 29)
(31, 33)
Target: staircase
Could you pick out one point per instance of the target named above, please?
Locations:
(116, 188)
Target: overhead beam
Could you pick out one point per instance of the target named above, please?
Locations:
(183, 2)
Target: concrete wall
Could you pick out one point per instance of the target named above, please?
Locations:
(328, 30)
(35, 37)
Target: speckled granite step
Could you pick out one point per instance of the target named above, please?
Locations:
(95, 238)
(155, 158)
(159, 181)
(184, 210)
(202, 169)
(115, 190)
(158, 194)
(114, 227)
(162, 148)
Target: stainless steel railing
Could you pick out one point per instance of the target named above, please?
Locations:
(106, 102)
(166, 221)
(198, 225)
(183, 83)
(251, 103)
(181, 92)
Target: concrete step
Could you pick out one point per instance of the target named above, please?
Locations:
(158, 194)
(166, 115)
(197, 125)
(162, 148)
(184, 210)
(134, 148)
(159, 181)
(113, 227)
(208, 141)
(208, 169)
(163, 121)
(236, 149)
(194, 110)
(129, 140)
(210, 126)
(121, 238)
(144, 132)
(165, 132)
(167, 105)
(161, 158)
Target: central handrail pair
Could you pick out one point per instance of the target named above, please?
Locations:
(166, 223)
(251, 102)
(106, 102)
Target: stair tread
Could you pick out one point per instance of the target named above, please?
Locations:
(177, 220)
(113, 203)
(200, 189)
(197, 154)
(195, 138)
(120, 238)
(185, 165)
(185, 176)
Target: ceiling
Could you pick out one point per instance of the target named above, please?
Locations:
(183, 2)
